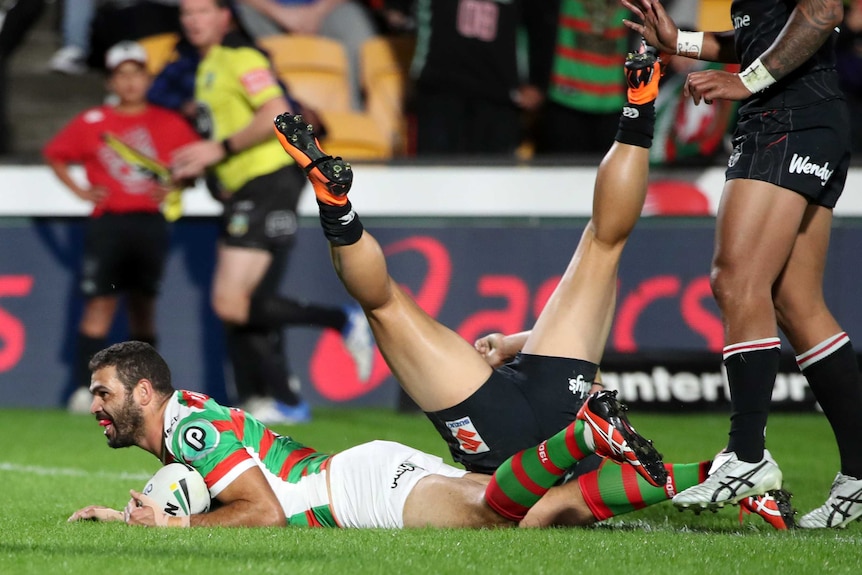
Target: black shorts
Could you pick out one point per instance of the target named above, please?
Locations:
(806, 150)
(124, 253)
(522, 404)
(262, 213)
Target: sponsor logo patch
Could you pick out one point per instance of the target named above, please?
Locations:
(468, 438)
(280, 223)
(578, 385)
(257, 81)
(347, 218)
(734, 157)
(198, 438)
(238, 225)
(800, 165)
(402, 469)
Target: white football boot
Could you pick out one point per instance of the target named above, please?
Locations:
(731, 480)
(843, 506)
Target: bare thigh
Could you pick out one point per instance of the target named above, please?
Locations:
(756, 228)
(99, 312)
(577, 318)
(433, 364)
(238, 273)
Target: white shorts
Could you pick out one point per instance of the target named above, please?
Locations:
(370, 483)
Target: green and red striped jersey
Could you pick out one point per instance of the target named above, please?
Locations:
(223, 442)
(592, 43)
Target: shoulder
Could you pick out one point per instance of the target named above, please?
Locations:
(161, 114)
(95, 115)
(243, 52)
(196, 437)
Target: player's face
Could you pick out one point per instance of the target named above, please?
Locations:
(116, 409)
(204, 23)
(130, 82)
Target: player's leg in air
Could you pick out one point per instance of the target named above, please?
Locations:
(416, 347)
(438, 369)
(433, 363)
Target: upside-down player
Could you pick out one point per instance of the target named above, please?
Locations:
(487, 415)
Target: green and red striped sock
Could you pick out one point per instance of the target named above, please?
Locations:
(614, 489)
(523, 478)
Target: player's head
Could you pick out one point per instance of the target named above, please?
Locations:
(128, 378)
(205, 22)
(129, 79)
(134, 361)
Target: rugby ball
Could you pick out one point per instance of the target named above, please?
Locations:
(179, 489)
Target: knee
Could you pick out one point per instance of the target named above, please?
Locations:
(798, 313)
(784, 310)
(728, 286)
(230, 307)
(608, 237)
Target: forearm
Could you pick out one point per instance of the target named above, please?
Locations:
(718, 47)
(239, 514)
(807, 29)
(260, 128)
(514, 343)
(61, 170)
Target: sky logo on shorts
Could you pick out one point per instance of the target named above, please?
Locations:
(578, 385)
(800, 165)
(468, 438)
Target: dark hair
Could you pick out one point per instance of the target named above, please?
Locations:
(134, 361)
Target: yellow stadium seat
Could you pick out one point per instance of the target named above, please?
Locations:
(313, 68)
(714, 16)
(383, 63)
(354, 136)
(161, 49)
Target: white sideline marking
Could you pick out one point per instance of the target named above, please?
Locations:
(70, 472)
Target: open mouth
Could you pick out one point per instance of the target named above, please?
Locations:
(107, 424)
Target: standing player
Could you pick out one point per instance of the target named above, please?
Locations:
(238, 96)
(126, 238)
(487, 415)
(785, 174)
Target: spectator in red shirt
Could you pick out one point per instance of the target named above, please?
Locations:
(126, 236)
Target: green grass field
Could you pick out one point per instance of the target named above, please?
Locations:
(53, 463)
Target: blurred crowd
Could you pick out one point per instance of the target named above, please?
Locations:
(380, 79)
(466, 77)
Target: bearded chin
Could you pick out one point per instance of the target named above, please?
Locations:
(132, 428)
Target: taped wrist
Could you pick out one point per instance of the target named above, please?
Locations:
(756, 77)
(689, 44)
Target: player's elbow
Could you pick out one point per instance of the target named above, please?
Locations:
(270, 516)
(829, 12)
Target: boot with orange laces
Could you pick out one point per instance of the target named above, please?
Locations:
(330, 177)
(637, 121)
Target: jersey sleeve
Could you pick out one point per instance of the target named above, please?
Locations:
(65, 146)
(213, 449)
(257, 78)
